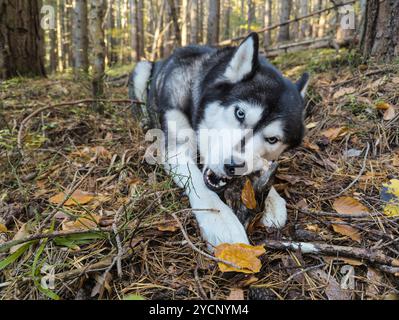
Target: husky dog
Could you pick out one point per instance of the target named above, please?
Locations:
(202, 89)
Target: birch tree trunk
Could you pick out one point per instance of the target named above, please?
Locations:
(96, 31)
(305, 26)
(381, 30)
(213, 22)
(21, 39)
(285, 12)
(79, 37)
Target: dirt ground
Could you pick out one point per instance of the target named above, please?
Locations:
(119, 241)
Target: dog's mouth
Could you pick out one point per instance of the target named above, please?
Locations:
(215, 182)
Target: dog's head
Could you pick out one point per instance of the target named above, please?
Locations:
(249, 114)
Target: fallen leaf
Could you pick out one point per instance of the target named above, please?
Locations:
(242, 255)
(344, 92)
(248, 196)
(311, 125)
(352, 153)
(3, 228)
(236, 294)
(83, 223)
(374, 278)
(22, 233)
(395, 80)
(78, 198)
(349, 205)
(333, 289)
(348, 231)
(381, 105)
(168, 226)
(390, 195)
(334, 133)
(350, 261)
(389, 114)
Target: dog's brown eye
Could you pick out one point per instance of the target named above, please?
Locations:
(272, 140)
(240, 114)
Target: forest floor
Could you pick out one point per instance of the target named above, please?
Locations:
(116, 238)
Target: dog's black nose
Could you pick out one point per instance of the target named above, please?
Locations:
(231, 169)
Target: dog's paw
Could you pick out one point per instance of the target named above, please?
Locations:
(219, 226)
(275, 214)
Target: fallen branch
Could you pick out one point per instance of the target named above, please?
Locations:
(63, 104)
(333, 214)
(372, 256)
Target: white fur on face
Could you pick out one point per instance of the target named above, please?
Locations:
(220, 135)
(241, 64)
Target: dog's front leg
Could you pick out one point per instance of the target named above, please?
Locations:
(217, 222)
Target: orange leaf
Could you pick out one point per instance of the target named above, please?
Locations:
(168, 226)
(348, 205)
(78, 198)
(248, 196)
(334, 133)
(83, 223)
(382, 105)
(242, 255)
(348, 231)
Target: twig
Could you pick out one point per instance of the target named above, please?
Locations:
(198, 250)
(333, 214)
(9, 244)
(199, 285)
(70, 103)
(373, 256)
(118, 241)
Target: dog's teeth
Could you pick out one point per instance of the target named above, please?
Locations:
(222, 184)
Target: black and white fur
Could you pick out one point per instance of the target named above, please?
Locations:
(232, 88)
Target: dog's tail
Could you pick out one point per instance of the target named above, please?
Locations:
(139, 80)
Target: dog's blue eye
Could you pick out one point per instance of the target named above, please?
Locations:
(272, 140)
(240, 114)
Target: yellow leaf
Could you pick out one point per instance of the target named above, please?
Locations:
(3, 228)
(168, 226)
(248, 196)
(78, 198)
(311, 125)
(88, 222)
(382, 105)
(348, 205)
(241, 255)
(334, 133)
(348, 231)
(390, 194)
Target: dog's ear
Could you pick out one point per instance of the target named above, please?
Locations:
(244, 61)
(303, 84)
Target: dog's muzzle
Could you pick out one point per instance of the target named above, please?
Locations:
(215, 182)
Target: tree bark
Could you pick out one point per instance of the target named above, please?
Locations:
(96, 31)
(21, 39)
(226, 19)
(79, 37)
(194, 22)
(267, 21)
(184, 22)
(305, 26)
(285, 12)
(381, 30)
(140, 27)
(213, 22)
(174, 16)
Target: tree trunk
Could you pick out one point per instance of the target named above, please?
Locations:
(250, 14)
(381, 30)
(305, 26)
(174, 16)
(79, 37)
(213, 22)
(285, 12)
(134, 31)
(53, 50)
(194, 21)
(184, 22)
(21, 39)
(226, 19)
(96, 31)
(267, 21)
(140, 27)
